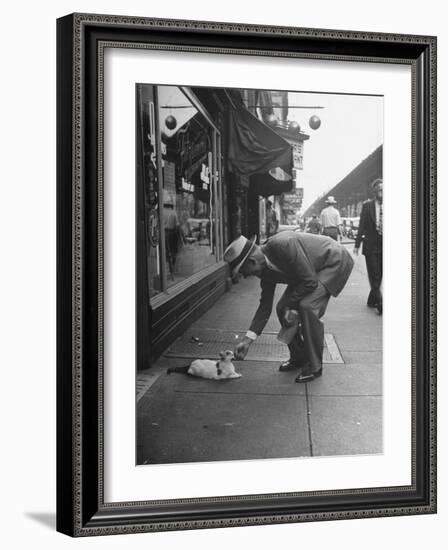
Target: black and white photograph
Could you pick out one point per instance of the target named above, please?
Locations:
(259, 263)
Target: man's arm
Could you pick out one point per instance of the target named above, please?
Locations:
(260, 319)
(339, 223)
(264, 310)
(321, 222)
(361, 228)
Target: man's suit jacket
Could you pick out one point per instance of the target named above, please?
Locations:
(367, 232)
(302, 260)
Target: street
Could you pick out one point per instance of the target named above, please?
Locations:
(265, 414)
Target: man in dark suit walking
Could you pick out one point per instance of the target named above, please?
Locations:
(314, 267)
(370, 233)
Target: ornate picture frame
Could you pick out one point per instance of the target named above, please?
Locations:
(81, 506)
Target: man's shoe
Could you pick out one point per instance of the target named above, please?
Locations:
(303, 378)
(289, 365)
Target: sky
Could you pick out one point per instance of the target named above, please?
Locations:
(351, 128)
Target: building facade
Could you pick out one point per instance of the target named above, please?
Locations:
(272, 107)
(203, 160)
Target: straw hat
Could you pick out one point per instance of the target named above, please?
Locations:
(331, 200)
(237, 253)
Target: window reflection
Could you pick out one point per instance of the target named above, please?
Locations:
(188, 194)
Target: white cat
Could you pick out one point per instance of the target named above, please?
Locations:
(212, 370)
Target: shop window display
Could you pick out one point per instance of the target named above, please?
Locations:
(188, 216)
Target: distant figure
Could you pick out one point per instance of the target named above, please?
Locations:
(314, 226)
(271, 220)
(370, 233)
(173, 234)
(330, 219)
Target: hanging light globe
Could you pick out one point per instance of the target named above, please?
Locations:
(314, 122)
(170, 122)
(294, 125)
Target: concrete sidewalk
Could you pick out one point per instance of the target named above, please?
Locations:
(265, 414)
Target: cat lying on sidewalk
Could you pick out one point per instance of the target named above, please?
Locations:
(212, 370)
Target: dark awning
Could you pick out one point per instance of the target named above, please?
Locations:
(265, 185)
(254, 148)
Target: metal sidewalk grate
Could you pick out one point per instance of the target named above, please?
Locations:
(207, 343)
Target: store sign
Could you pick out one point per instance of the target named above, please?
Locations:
(293, 200)
(205, 174)
(191, 154)
(297, 155)
(193, 167)
(189, 187)
(297, 194)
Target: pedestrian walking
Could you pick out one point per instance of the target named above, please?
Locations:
(330, 219)
(314, 226)
(370, 234)
(315, 268)
(173, 233)
(271, 220)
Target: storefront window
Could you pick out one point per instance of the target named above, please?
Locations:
(189, 190)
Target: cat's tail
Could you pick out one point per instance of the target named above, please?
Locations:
(183, 370)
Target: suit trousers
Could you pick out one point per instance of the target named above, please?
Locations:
(374, 264)
(311, 308)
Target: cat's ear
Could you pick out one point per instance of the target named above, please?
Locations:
(222, 354)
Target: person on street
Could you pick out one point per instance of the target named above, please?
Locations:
(370, 233)
(173, 233)
(344, 229)
(330, 219)
(314, 226)
(271, 220)
(314, 267)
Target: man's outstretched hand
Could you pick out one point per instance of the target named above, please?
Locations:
(242, 348)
